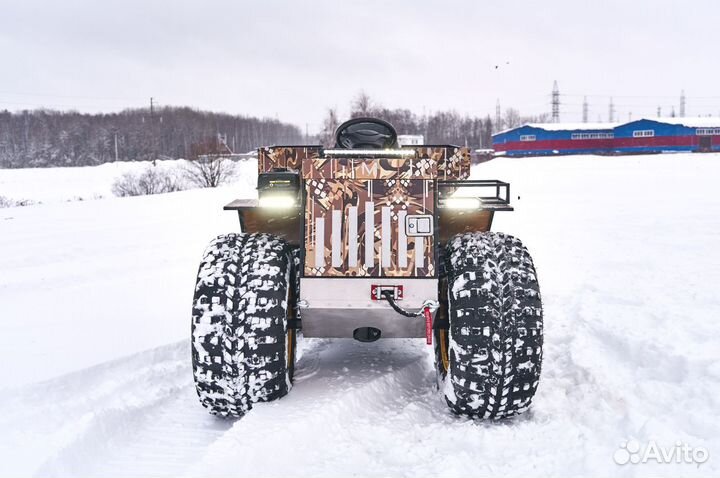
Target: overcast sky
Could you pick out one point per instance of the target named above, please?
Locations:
(293, 59)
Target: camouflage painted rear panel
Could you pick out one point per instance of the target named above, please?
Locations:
(369, 168)
(427, 162)
(341, 216)
(290, 157)
(452, 162)
(355, 207)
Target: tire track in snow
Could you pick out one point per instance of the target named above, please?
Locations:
(368, 409)
(129, 417)
(374, 410)
(344, 390)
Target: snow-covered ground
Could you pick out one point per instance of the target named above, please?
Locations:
(52, 185)
(94, 322)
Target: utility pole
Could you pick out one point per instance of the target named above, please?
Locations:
(498, 117)
(659, 111)
(555, 103)
(116, 147)
(585, 110)
(153, 130)
(611, 111)
(682, 103)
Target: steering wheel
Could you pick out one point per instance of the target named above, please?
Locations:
(365, 133)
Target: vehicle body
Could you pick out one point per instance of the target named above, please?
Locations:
(379, 218)
(370, 226)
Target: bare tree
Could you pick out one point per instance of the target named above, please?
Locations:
(330, 124)
(209, 164)
(512, 118)
(150, 181)
(541, 118)
(210, 171)
(362, 106)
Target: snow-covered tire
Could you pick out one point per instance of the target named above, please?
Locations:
(240, 326)
(489, 351)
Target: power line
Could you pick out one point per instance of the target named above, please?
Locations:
(618, 96)
(639, 96)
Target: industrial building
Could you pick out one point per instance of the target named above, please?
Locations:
(641, 136)
(410, 139)
(539, 139)
(667, 135)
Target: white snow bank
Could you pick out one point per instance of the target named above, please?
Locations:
(51, 185)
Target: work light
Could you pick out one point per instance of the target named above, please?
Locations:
(278, 189)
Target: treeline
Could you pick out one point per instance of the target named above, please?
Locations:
(43, 138)
(442, 127)
(51, 138)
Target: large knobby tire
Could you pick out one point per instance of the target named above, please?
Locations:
(242, 345)
(489, 358)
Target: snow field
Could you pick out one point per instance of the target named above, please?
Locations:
(95, 321)
(52, 185)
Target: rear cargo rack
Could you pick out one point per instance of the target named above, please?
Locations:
(480, 189)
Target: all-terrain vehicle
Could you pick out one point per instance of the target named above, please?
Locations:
(368, 240)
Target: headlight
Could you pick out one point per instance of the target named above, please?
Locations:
(278, 201)
(279, 189)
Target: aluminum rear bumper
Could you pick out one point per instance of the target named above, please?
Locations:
(335, 307)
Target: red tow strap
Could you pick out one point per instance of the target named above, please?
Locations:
(428, 325)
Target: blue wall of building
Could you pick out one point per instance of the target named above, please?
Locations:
(640, 136)
(534, 141)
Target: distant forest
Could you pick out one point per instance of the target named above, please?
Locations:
(45, 138)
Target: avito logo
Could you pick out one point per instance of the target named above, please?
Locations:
(631, 452)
